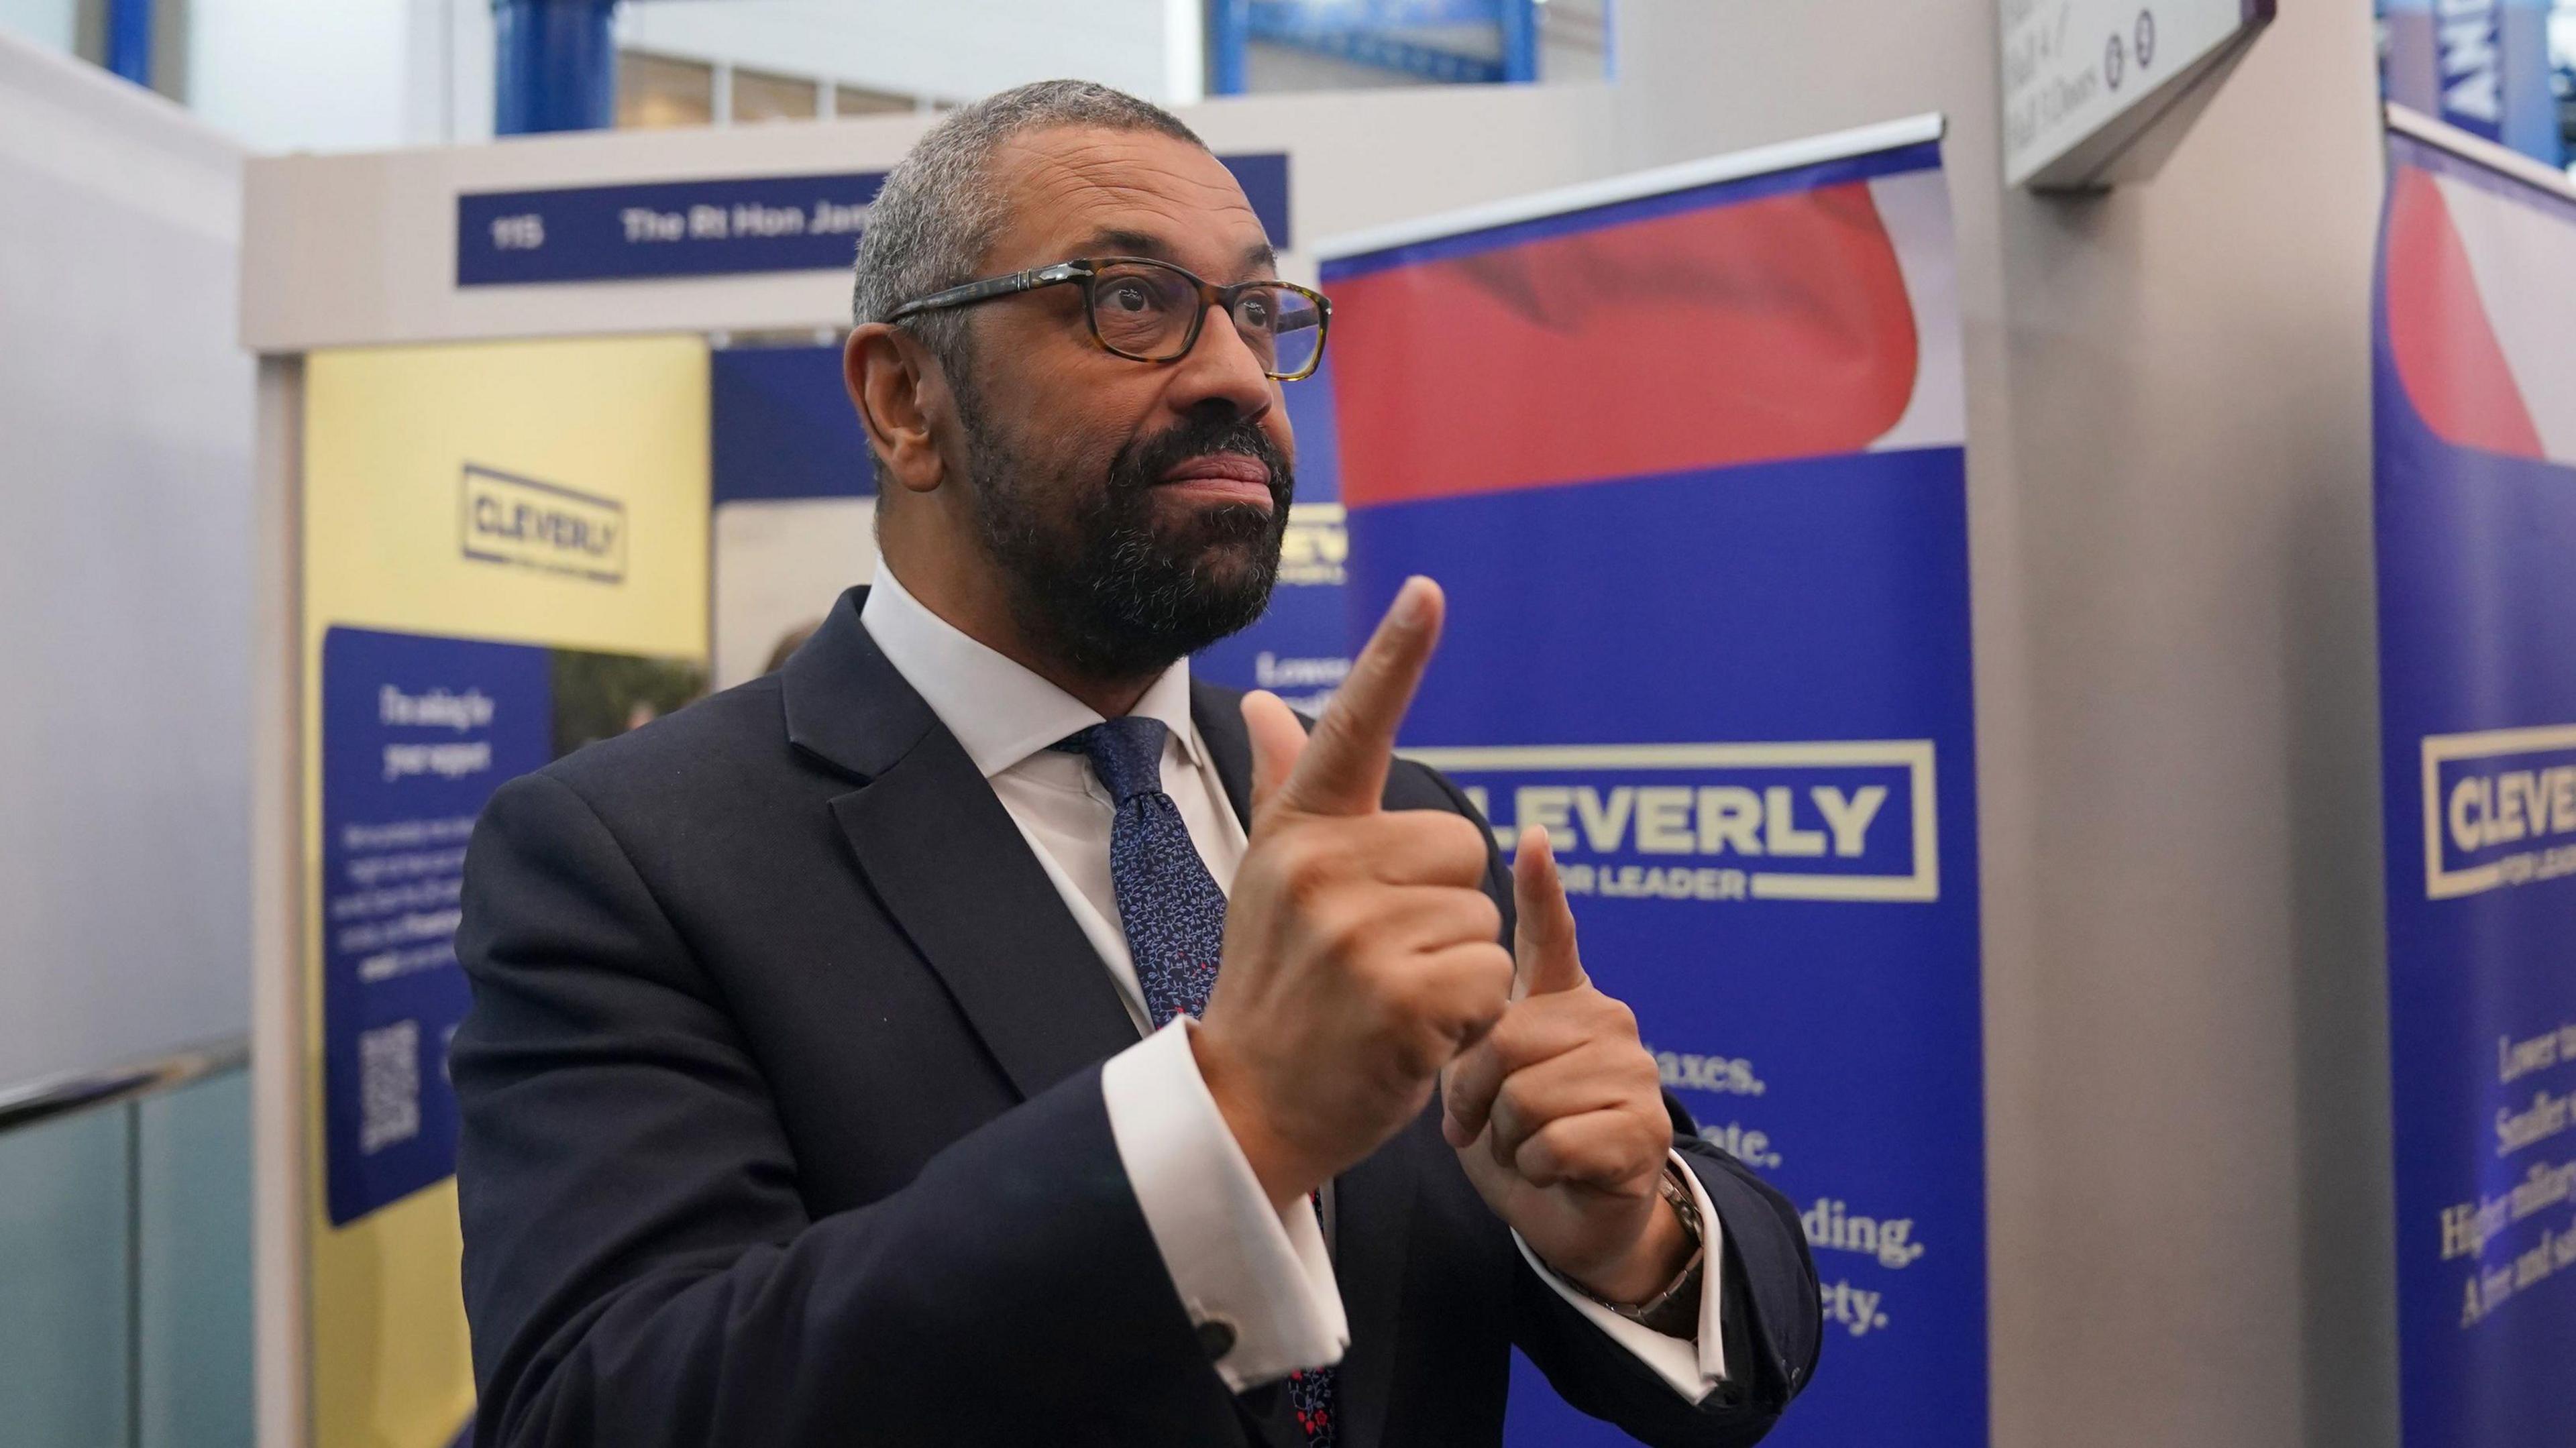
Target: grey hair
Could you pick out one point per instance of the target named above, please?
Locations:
(939, 211)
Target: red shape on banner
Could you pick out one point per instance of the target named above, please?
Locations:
(1763, 330)
(2446, 351)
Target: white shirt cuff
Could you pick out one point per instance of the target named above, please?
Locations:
(1263, 1273)
(1693, 1368)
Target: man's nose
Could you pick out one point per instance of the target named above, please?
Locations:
(1222, 367)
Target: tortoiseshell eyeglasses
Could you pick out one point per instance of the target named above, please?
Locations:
(1151, 311)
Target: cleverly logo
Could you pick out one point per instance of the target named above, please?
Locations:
(1844, 820)
(510, 519)
(1315, 547)
(2499, 809)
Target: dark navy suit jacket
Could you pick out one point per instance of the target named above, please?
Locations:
(783, 1126)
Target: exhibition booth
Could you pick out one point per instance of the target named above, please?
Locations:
(561, 444)
(1933, 619)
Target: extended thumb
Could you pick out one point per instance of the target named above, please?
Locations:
(1278, 739)
(1544, 953)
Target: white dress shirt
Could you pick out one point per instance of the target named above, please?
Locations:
(1231, 1257)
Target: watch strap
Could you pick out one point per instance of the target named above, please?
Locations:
(1674, 1311)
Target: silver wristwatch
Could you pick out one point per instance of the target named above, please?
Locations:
(1674, 1312)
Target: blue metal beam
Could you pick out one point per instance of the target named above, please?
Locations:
(129, 39)
(1229, 33)
(554, 65)
(1520, 39)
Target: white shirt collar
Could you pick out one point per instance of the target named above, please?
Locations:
(1000, 711)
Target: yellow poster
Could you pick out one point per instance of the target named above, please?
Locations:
(504, 557)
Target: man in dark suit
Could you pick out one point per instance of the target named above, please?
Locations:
(979, 1032)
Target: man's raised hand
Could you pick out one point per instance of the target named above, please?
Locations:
(1360, 953)
(1557, 1114)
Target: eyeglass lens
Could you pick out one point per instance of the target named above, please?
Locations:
(1145, 312)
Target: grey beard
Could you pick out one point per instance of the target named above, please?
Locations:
(1100, 588)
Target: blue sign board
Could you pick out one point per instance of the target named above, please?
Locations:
(2476, 522)
(1690, 467)
(718, 227)
(416, 734)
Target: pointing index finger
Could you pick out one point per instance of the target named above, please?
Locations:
(1343, 769)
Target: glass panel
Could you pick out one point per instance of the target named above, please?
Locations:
(49, 23)
(858, 100)
(760, 96)
(64, 1215)
(195, 1303)
(654, 91)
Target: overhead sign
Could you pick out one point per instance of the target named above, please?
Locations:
(719, 227)
(2098, 91)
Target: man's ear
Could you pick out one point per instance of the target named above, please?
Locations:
(898, 390)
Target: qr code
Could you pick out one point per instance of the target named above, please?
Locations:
(388, 1085)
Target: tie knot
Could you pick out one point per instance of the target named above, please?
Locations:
(1126, 753)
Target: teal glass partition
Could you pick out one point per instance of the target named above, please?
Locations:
(125, 1271)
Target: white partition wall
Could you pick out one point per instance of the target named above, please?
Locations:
(125, 582)
(124, 575)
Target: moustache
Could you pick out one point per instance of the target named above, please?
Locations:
(1141, 465)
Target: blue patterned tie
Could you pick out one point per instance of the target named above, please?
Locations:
(1174, 918)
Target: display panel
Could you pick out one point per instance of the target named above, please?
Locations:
(505, 556)
(1688, 457)
(2475, 401)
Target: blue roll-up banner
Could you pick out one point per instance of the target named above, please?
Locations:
(2475, 384)
(1687, 452)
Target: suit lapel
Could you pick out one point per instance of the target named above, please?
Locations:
(957, 874)
(946, 861)
(1373, 1201)
(1219, 715)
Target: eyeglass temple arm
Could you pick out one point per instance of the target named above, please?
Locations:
(988, 289)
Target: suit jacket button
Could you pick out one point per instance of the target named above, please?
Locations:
(1216, 1336)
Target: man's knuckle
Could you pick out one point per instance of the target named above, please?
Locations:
(1576, 1144)
(1484, 917)
(1458, 839)
(1460, 862)
(1539, 1159)
(1347, 932)
(1459, 996)
(1474, 1106)
(1309, 868)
